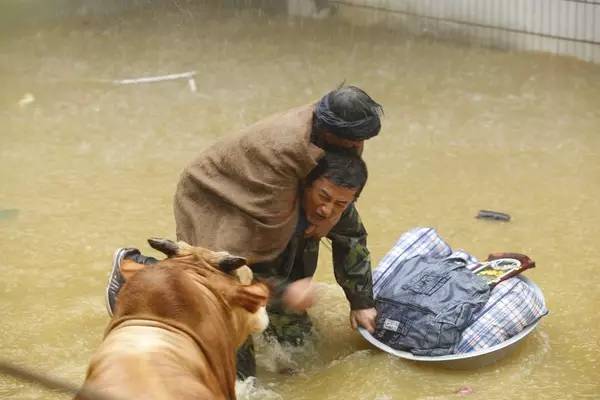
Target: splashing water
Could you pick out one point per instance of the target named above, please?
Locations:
(251, 389)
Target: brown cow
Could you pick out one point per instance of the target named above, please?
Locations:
(177, 326)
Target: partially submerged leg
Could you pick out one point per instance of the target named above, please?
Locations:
(289, 327)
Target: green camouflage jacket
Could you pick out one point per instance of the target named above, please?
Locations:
(351, 260)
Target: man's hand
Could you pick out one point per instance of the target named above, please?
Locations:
(365, 318)
(300, 295)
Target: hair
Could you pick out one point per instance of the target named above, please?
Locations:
(343, 168)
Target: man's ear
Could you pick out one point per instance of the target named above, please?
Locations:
(166, 246)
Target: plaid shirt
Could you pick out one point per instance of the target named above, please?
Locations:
(513, 305)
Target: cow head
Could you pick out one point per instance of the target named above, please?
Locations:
(228, 275)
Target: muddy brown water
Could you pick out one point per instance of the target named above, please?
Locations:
(90, 166)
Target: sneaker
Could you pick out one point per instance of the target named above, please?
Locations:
(115, 279)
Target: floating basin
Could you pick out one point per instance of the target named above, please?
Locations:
(473, 359)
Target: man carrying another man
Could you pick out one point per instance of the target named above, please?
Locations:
(271, 193)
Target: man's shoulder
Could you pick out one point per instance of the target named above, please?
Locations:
(291, 125)
(279, 142)
(281, 138)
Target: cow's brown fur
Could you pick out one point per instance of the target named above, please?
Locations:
(175, 330)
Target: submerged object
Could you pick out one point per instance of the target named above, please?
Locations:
(27, 98)
(495, 215)
(152, 79)
(470, 360)
(161, 78)
(9, 213)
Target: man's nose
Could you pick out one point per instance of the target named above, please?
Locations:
(325, 210)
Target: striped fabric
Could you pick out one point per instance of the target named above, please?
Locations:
(512, 307)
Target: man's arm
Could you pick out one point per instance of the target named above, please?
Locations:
(352, 267)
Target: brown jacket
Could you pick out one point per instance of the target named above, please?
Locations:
(242, 194)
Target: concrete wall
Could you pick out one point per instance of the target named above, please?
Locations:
(566, 27)
(19, 13)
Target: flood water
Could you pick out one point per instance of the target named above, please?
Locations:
(88, 166)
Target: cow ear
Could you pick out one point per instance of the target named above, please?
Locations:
(166, 246)
(229, 263)
(251, 297)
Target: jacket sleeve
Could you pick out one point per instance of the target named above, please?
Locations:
(351, 259)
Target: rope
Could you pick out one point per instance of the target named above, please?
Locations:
(48, 382)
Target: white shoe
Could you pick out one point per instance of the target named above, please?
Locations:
(115, 279)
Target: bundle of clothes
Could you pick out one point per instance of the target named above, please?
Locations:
(431, 302)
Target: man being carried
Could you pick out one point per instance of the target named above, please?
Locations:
(241, 194)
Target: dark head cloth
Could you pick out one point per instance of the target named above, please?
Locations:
(356, 129)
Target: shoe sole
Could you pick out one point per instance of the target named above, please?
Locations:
(117, 256)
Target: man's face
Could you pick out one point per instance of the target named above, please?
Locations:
(325, 201)
(336, 141)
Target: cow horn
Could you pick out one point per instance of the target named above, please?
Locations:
(230, 263)
(166, 246)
